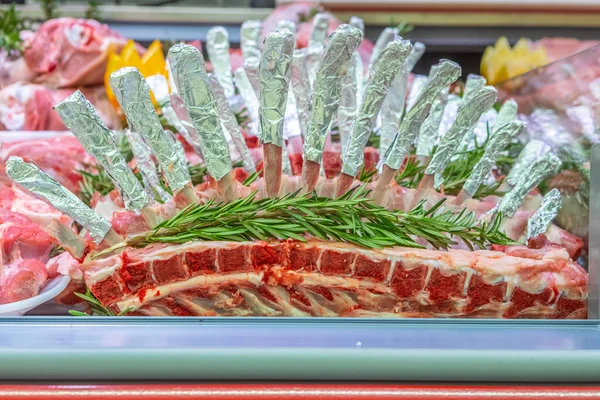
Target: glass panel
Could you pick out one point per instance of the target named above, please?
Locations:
(394, 252)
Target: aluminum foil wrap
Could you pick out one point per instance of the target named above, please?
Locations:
(450, 113)
(217, 46)
(316, 44)
(393, 105)
(543, 217)
(507, 113)
(188, 132)
(486, 123)
(79, 117)
(143, 158)
(159, 86)
(291, 124)
(192, 81)
(531, 177)
(467, 117)
(170, 78)
(248, 95)
(392, 109)
(43, 185)
(442, 75)
(430, 129)
(348, 103)
(386, 36)
(415, 55)
(359, 71)
(382, 74)
(286, 24)
(533, 150)
(177, 145)
(251, 51)
(358, 23)
(275, 71)
(229, 124)
(250, 42)
(417, 85)
(473, 86)
(301, 89)
(358, 67)
(326, 94)
(133, 94)
(496, 144)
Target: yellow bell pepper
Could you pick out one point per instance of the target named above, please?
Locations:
(501, 62)
(115, 62)
(151, 63)
(130, 56)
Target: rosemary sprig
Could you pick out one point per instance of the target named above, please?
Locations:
(99, 181)
(458, 171)
(251, 179)
(351, 218)
(97, 308)
(55, 251)
(11, 24)
(242, 117)
(411, 174)
(374, 139)
(366, 175)
(403, 28)
(197, 173)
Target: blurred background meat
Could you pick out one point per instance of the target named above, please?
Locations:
(68, 52)
(28, 107)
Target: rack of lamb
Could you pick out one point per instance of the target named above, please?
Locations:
(358, 244)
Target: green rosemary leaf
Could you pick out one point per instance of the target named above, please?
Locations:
(352, 218)
(96, 307)
(76, 313)
(250, 179)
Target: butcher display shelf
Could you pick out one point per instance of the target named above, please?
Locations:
(145, 349)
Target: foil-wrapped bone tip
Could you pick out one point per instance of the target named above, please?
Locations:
(545, 214)
(217, 34)
(357, 22)
(41, 184)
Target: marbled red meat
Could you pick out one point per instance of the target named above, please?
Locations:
(334, 279)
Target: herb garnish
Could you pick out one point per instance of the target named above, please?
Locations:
(458, 171)
(97, 308)
(351, 218)
(11, 24)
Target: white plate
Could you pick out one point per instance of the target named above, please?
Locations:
(52, 289)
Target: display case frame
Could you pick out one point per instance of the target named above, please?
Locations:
(314, 349)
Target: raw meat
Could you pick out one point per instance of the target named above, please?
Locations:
(558, 48)
(333, 279)
(69, 52)
(59, 157)
(25, 247)
(28, 107)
